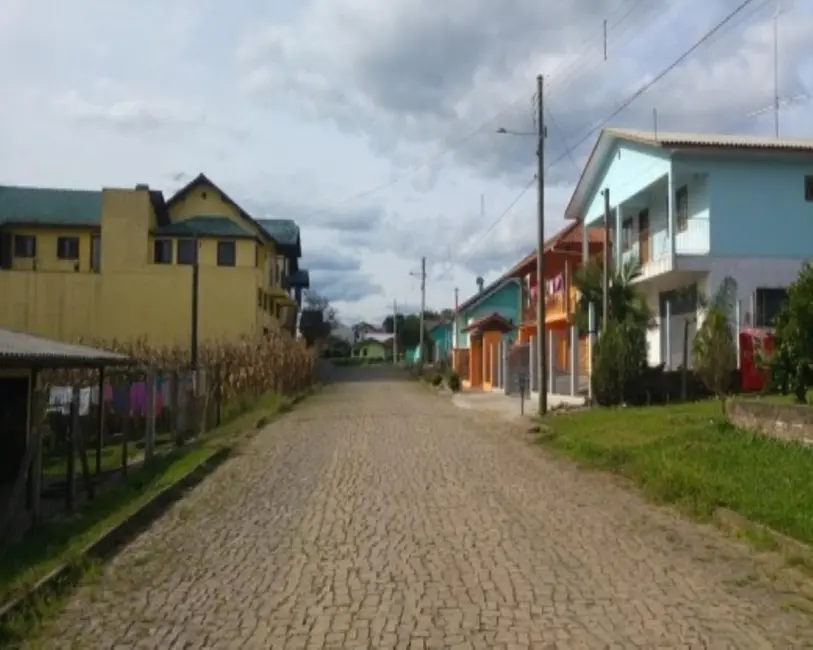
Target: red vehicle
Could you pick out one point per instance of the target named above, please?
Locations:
(754, 343)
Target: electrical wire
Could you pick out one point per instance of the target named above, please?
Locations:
(641, 90)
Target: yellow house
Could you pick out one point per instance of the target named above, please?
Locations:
(119, 264)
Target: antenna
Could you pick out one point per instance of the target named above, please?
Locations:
(776, 15)
(605, 39)
(655, 122)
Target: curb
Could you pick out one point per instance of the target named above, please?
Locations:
(109, 542)
(735, 523)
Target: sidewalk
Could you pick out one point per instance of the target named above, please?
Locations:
(509, 406)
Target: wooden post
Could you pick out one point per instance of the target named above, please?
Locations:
(100, 423)
(73, 427)
(149, 446)
(79, 440)
(19, 485)
(127, 426)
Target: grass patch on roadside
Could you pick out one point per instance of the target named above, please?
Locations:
(61, 541)
(688, 456)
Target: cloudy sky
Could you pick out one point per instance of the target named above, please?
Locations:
(371, 123)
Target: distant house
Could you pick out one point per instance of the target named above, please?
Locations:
(696, 208)
(362, 329)
(374, 346)
(441, 335)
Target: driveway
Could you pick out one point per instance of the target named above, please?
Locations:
(378, 515)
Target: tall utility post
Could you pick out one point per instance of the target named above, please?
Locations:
(395, 331)
(542, 360)
(423, 308)
(605, 278)
(193, 346)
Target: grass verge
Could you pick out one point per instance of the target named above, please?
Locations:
(62, 543)
(687, 455)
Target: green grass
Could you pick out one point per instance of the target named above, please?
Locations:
(50, 545)
(790, 398)
(688, 456)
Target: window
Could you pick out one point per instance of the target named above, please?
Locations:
(809, 188)
(25, 246)
(162, 251)
(626, 234)
(260, 301)
(186, 252)
(226, 253)
(682, 208)
(67, 248)
(96, 253)
(768, 304)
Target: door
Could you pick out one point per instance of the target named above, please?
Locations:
(643, 236)
(13, 425)
(96, 253)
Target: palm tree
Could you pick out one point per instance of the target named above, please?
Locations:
(625, 303)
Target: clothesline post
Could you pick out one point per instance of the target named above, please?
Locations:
(149, 445)
(126, 427)
(100, 424)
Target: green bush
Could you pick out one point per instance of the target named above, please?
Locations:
(453, 382)
(437, 379)
(619, 360)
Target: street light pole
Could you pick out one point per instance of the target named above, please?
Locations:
(540, 250)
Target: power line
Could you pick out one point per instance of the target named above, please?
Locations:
(454, 144)
(568, 153)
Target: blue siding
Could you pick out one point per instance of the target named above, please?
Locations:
(758, 208)
(505, 302)
(628, 170)
(442, 336)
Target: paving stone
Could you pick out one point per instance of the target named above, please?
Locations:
(377, 515)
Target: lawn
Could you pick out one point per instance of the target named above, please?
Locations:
(688, 456)
(61, 541)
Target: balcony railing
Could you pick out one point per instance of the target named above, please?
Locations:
(557, 305)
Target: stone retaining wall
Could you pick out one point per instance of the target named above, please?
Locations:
(791, 422)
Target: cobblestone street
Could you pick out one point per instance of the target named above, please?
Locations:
(380, 516)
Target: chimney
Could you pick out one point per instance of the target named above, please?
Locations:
(142, 186)
(479, 285)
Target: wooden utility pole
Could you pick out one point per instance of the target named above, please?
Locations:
(542, 356)
(423, 309)
(605, 312)
(394, 331)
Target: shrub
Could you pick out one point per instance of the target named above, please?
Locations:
(714, 352)
(437, 379)
(453, 382)
(619, 360)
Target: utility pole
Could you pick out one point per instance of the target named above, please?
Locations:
(776, 70)
(605, 271)
(394, 331)
(193, 347)
(542, 364)
(423, 308)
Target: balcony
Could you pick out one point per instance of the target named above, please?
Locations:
(558, 306)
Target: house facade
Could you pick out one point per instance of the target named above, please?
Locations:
(694, 209)
(563, 256)
(119, 263)
(441, 334)
(481, 323)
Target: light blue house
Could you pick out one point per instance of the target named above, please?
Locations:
(441, 335)
(502, 297)
(694, 209)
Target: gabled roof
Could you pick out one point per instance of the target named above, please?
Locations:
(204, 226)
(490, 323)
(567, 239)
(49, 207)
(674, 141)
(202, 179)
(490, 290)
(283, 231)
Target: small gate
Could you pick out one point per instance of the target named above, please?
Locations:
(517, 369)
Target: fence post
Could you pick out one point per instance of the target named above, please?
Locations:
(551, 362)
(73, 427)
(668, 331)
(149, 443)
(575, 374)
(591, 341)
(100, 423)
(127, 426)
(738, 329)
(532, 364)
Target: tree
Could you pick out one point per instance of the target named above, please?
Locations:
(318, 318)
(714, 351)
(409, 328)
(793, 339)
(626, 304)
(619, 360)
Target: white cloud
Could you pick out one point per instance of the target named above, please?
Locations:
(295, 106)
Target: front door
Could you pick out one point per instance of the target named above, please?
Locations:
(643, 236)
